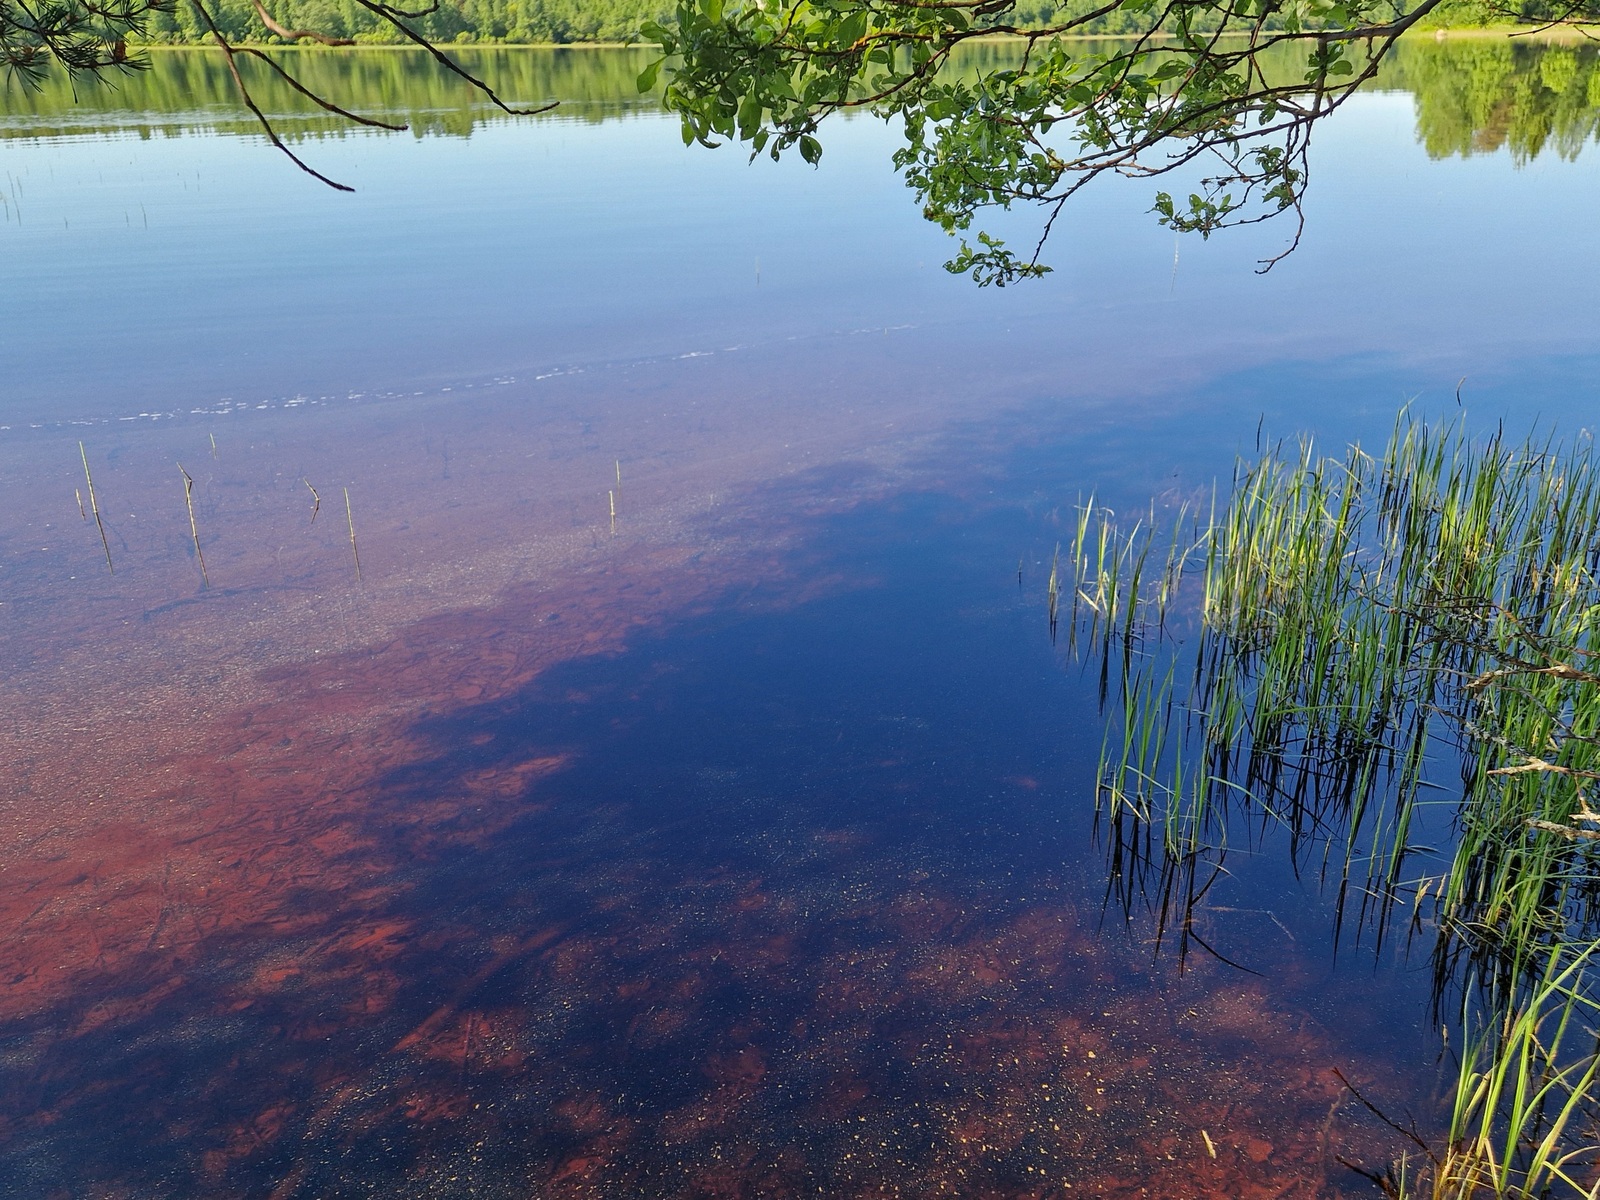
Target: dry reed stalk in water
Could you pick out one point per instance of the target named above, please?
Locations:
(613, 496)
(94, 505)
(78, 492)
(316, 501)
(194, 529)
(213, 438)
(350, 517)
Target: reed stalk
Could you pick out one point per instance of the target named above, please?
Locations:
(1052, 589)
(194, 528)
(94, 505)
(350, 519)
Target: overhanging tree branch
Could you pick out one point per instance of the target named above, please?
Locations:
(1201, 81)
(296, 35)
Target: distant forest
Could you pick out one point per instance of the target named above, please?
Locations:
(460, 21)
(565, 21)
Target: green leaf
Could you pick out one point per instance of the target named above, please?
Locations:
(810, 148)
(749, 116)
(647, 77)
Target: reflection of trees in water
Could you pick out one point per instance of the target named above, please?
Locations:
(1478, 96)
(1472, 96)
(191, 89)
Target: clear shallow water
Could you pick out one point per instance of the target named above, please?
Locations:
(743, 847)
(533, 246)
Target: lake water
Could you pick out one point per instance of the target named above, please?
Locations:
(740, 843)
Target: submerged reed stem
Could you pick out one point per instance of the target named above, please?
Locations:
(94, 504)
(194, 529)
(349, 517)
(316, 501)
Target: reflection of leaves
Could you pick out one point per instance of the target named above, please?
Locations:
(1483, 96)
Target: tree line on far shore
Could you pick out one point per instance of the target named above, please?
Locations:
(558, 22)
(535, 22)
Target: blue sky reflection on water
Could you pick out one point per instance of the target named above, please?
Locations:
(550, 242)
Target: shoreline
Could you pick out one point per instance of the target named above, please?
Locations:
(1541, 34)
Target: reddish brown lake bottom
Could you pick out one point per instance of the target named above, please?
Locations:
(513, 868)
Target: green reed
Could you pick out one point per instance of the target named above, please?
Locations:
(1522, 1088)
(1361, 626)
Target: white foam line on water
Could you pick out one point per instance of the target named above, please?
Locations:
(228, 406)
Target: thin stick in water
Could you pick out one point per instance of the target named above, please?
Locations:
(613, 496)
(213, 438)
(194, 529)
(94, 505)
(349, 516)
(78, 492)
(619, 476)
(316, 501)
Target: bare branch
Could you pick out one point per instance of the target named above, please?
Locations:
(327, 105)
(296, 35)
(444, 60)
(229, 51)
